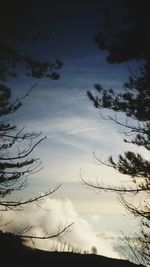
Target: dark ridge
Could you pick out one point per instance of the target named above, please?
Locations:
(15, 253)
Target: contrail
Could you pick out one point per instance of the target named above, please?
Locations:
(80, 131)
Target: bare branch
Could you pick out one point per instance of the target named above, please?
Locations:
(15, 204)
(59, 233)
(25, 155)
(100, 187)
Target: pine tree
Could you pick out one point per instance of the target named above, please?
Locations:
(127, 40)
(19, 24)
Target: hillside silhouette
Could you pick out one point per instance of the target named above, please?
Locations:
(15, 253)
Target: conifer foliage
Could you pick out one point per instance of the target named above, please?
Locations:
(129, 40)
(19, 23)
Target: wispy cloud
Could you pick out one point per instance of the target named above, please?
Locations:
(81, 131)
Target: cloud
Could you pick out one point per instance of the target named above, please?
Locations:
(46, 220)
(81, 130)
(85, 133)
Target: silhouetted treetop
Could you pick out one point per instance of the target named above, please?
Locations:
(129, 38)
(21, 21)
(126, 37)
(134, 101)
(125, 40)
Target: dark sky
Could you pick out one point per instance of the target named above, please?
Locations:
(71, 26)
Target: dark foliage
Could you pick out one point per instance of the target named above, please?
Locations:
(131, 40)
(15, 165)
(19, 23)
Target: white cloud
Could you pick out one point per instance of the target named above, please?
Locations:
(55, 212)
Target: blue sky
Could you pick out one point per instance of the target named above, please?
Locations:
(74, 129)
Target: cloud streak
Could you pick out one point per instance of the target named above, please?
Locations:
(81, 131)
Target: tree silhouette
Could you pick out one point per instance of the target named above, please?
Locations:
(19, 22)
(126, 40)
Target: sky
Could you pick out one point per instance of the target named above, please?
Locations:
(75, 130)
